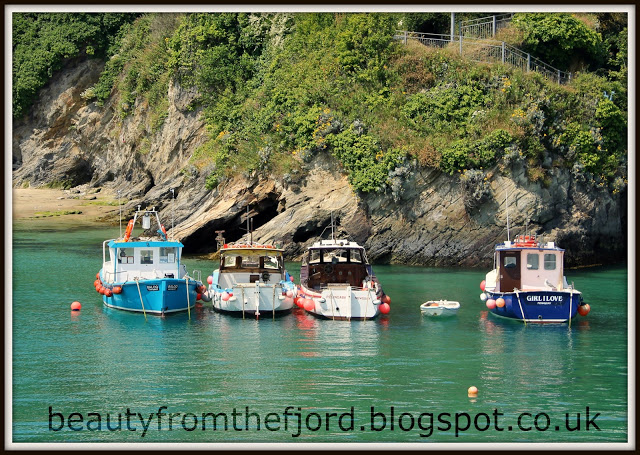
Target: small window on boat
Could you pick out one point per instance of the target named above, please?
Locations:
(168, 255)
(250, 262)
(146, 256)
(314, 256)
(533, 261)
(125, 255)
(549, 261)
(231, 261)
(356, 256)
(271, 262)
(509, 262)
(335, 256)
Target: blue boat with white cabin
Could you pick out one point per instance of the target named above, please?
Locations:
(145, 274)
(527, 283)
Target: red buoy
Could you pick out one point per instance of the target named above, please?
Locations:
(491, 304)
(199, 296)
(108, 292)
(483, 284)
(584, 309)
(98, 275)
(386, 299)
(385, 308)
(210, 279)
(96, 283)
(309, 304)
(117, 289)
(75, 306)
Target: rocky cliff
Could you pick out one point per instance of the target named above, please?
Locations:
(431, 218)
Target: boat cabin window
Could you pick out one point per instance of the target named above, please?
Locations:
(549, 261)
(509, 262)
(356, 256)
(533, 261)
(125, 255)
(249, 262)
(271, 262)
(146, 256)
(335, 256)
(168, 255)
(230, 261)
(314, 256)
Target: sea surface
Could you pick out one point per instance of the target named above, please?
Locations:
(103, 375)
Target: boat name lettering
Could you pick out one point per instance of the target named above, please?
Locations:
(544, 298)
(153, 287)
(172, 287)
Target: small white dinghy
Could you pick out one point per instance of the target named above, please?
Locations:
(440, 308)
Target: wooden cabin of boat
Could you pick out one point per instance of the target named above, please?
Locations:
(332, 262)
(527, 265)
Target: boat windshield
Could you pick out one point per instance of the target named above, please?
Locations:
(251, 261)
(335, 256)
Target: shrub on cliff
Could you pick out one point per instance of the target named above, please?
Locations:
(41, 42)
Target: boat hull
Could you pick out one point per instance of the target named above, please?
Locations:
(156, 296)
(342, 303)
(262, 300)
(537, 306)
(440, 309)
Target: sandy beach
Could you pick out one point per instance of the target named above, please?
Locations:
(39, 202)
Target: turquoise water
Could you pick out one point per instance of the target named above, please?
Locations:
(76, 369)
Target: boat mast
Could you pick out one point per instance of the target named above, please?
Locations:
(507, 204)
(332, 227)
(120, 207)
(173, 203)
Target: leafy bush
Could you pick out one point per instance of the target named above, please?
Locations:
(552, 37)
(43, 41)
(367, 165)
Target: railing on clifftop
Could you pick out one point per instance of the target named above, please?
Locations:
(487, 51)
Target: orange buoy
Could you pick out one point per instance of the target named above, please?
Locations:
(75, 306)
(98, 275)
(198, 296)
(117, 289)
(482, 284)
(385, 308)
(500, 302)
(491, 304)
(472, 391)
(584, 309)
(386, 299)
(108, 292)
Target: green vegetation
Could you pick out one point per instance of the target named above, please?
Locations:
(43, 41)
(276, 90)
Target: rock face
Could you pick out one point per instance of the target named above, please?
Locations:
(434, 220)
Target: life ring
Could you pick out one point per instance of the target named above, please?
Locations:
(164, 231)
(127, 233)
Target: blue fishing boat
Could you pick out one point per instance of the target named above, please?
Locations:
(145, 274)
(527, 283)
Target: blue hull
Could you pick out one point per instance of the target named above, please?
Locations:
(538, 306)
(159, 296)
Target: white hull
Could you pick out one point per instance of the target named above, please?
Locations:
(343, 303)
(440, 308)
(253, 299)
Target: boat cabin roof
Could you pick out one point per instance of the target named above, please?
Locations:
(143, 242)
(250, 250)
(526, 242)
(333, 244)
